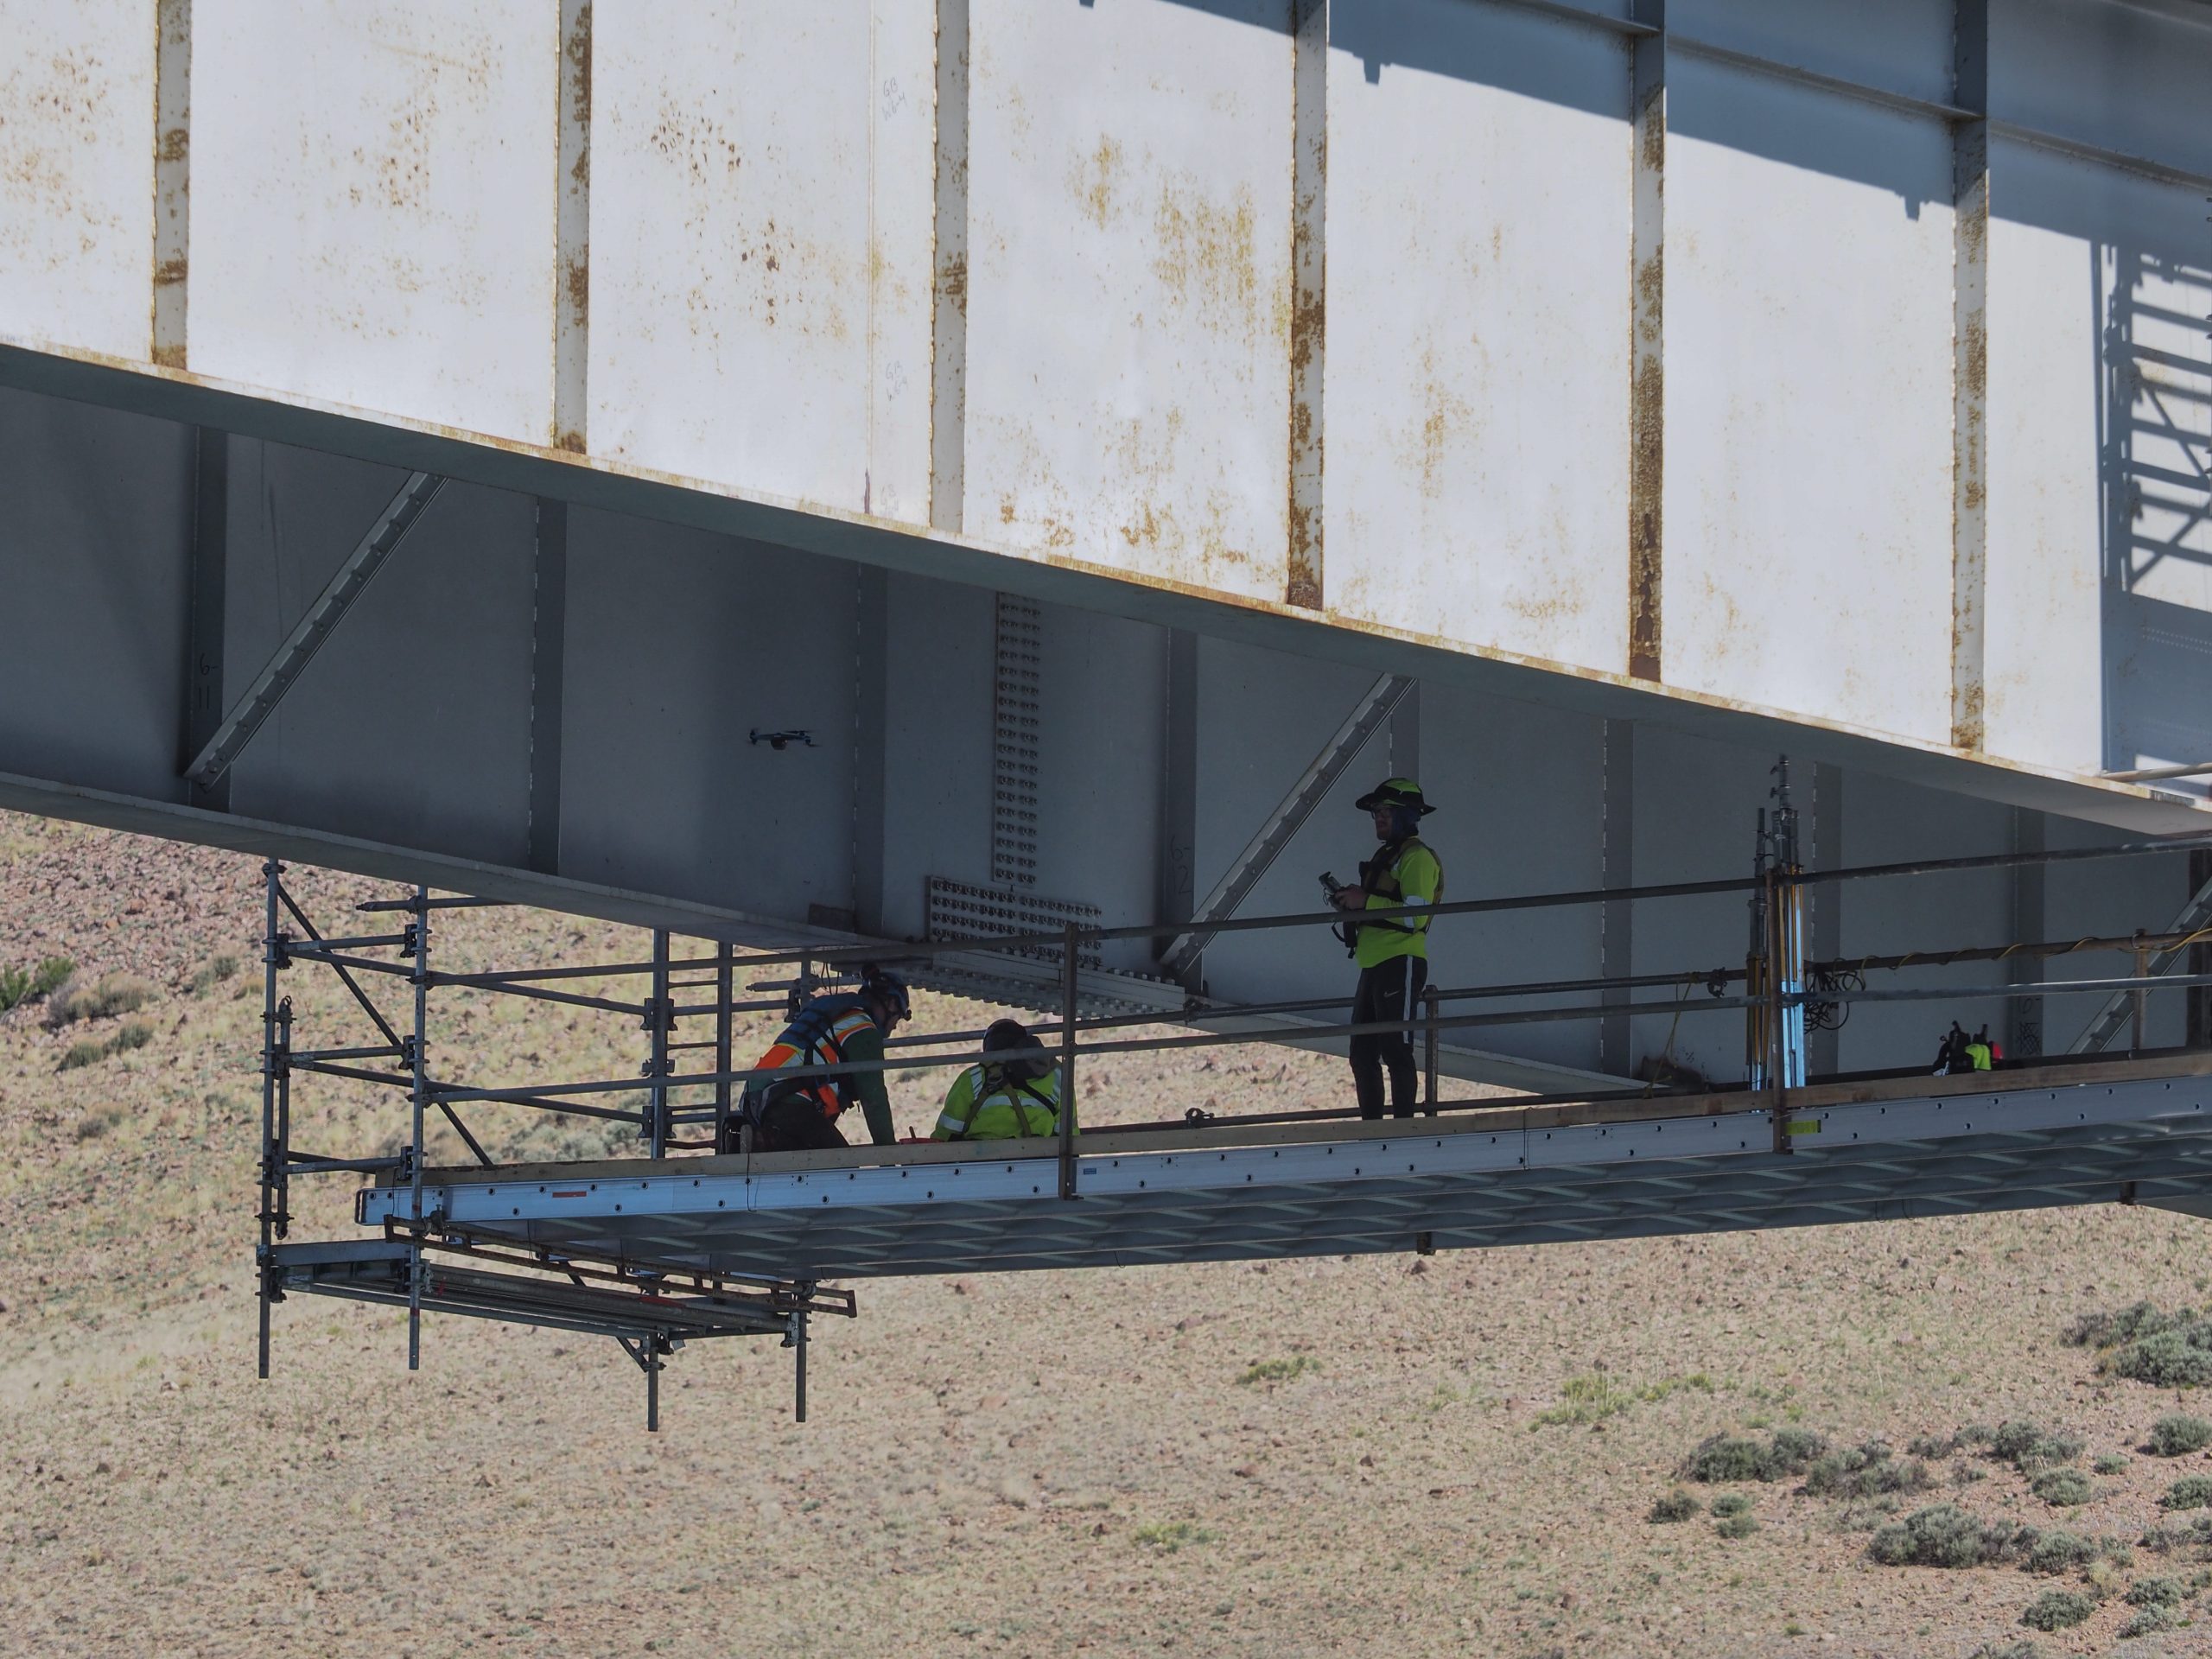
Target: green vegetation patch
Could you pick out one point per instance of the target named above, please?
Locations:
(1168, 1537)
(1278, 1370)
(2022, 1649)
(2029, 1447)
(216, 969)
(106, 996)
(21, 985)
(2110, 1464)
(2155, 1592)
(2178, 1436)
(1730, 1503)
(1942, 1534)
(1677, 1505)
(2057, 1610)
(1593, 1398)
(2168, 1350)
(2190, 1492)
(1868, 1470)
(2149, 1620)
(2062, 1489)
(1723, 1458)
(1735, 1526)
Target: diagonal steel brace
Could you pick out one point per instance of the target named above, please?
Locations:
(2195, 916)
(1275, 832)
(299, 646)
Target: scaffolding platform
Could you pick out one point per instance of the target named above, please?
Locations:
(2130, 1132)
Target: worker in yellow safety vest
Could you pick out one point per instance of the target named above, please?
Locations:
(1014, 1092)
(1392, 954)
(800, 1114)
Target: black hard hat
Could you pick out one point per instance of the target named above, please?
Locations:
(1395, 792)
(1025, 1054)
(888, 988)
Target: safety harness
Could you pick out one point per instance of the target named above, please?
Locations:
(815, 1037)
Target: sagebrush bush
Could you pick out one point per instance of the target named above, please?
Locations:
(2178, 1436)
(2062, 1489)
(1735, 1526)
(2168, 1350)
(2017, 1650)
(84, 1052)
(2057, 1610)
(2155, 1592)
(216, 969)
(133, 1033)
(1721, 1458)
(2190, 1492)
(2149, 1620)
(1942, 1534)
(2029, 1447)
(1677, 1505)
(2055, 1551)
(1865, 1470)
(1730, 1503)
(2110, 1464)
(1932, 1446)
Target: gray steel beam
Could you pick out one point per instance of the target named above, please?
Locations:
(2195, 915)
(1275, 831)
(203, 690)
(283, 670)
(548, 677)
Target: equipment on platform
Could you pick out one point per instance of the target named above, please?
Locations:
(1959, 1053)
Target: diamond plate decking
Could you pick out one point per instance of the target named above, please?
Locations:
(1476, 1180)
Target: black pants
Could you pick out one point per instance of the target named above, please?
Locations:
(1389, 990)
(795, 1123)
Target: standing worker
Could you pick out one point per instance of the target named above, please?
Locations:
(800, 1114)
(1392, 954)
(1014, 1093)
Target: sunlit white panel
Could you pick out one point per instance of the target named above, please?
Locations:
(76, 174)
(1128, 260)
(372, 205)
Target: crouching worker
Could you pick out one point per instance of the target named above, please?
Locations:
(1015, 1091)
(801, 1114)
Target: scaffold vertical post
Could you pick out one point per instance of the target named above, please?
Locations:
(1429, 1051)
(659, 1015)
(1067, 1060)
(725, 990)
(649, 1348)
(2136, 1013)
(1777, 1047)
(419, 947)
(798, 1366)
(282, 1151)
(270, 873)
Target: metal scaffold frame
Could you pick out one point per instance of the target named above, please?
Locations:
(433, 1256)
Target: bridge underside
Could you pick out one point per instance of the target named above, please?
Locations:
(2123, 1132)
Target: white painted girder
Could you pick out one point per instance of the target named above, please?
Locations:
(375, 230)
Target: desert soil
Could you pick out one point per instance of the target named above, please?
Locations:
(1331, 1456)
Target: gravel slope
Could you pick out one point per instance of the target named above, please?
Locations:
(1019, 1463)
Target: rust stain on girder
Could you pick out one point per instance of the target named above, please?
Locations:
(1096, 178)
(575, 57)
(1647, 478)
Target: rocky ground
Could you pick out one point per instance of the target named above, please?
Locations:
(1382, 1455)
